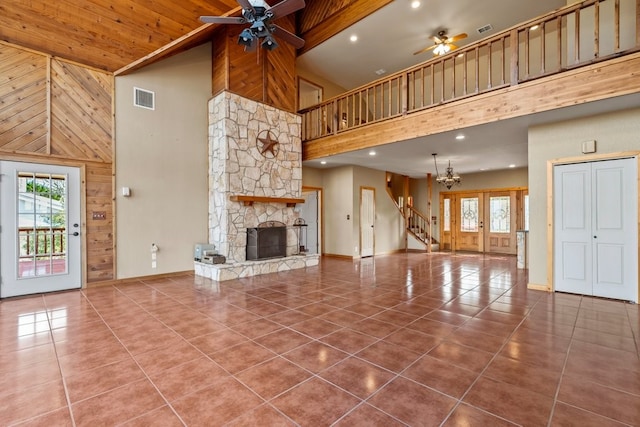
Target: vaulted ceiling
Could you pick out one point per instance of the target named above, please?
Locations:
(124, 34)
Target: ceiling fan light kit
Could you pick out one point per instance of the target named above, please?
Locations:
(261, 31)
(443, 44)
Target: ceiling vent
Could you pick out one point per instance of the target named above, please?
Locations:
(144, 98)
(484, 29)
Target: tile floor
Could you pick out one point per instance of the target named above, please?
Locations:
(407, 339)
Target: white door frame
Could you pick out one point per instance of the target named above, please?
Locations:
(368, 227)
(550, 201)
(74, 171)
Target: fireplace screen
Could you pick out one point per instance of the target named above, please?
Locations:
(266, 242)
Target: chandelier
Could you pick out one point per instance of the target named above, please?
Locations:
(450, 178)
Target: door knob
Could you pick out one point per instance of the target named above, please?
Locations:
(76, 234)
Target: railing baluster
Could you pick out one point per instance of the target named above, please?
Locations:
(559, 43)
(477, 60)
(596, 29)
(489, 67)
(542, 47)
(514, 44)
(577, 37)
(616, 25)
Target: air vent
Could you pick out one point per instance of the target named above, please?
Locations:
(484, 29)
(144, 98)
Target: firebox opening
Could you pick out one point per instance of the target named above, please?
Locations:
(266, 242)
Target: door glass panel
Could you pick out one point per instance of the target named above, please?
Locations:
(499, 211)
(42, 228)
(446, 215)
(469, 214)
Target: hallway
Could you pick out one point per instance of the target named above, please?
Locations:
(404, 339)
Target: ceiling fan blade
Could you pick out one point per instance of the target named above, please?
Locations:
(437, 40)
(456, 38)
(286, 7)
(222, 20)
(246, 6)
(425, 49)
(287, 36)
(452, 47)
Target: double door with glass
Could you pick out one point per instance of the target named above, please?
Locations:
(481, 221)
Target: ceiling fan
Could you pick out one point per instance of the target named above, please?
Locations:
(443, 43)
(262, 29)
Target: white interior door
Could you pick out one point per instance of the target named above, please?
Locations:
(309, 211)
(367, 221)
(596, 229)
(40, 228)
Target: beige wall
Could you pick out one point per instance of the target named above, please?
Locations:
(311, 177)
(329, 89)
(614, 132)
(341, 198)
(162, 156)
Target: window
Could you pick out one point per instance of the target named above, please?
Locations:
(446, 215)
(500, 214)
(469, 214)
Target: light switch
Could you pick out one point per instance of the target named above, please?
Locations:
(126, 191)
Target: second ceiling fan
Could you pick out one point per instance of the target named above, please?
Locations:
(443, 44)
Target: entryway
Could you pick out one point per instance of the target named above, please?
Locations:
(595, 217)
(483, 220)
(40, 227)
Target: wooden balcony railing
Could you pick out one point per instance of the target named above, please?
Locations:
(574, 36)
(42, 241)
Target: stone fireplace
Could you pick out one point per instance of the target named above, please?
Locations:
(255, 177)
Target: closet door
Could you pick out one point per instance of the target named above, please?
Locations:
(596, 228)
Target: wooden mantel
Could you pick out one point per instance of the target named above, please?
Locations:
(249, 200)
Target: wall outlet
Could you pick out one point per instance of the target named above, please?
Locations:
(356, 249)
(154, 264)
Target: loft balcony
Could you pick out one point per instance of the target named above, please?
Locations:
(583, 52)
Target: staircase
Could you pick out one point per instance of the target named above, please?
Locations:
(418, 226)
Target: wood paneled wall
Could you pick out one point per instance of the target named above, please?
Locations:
(263, 76)
(53, 111)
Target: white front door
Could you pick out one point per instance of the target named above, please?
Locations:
(367, 221)
(596, 229)
(40, 228)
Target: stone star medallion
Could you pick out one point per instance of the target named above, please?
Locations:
(268, 144)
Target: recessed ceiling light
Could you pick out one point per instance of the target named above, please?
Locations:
(353, 38)
(512, 165)
(534, 27)
(372, 153)
(460, 137)
(415, 4)
(380, 72)
(324, 162)
(484, 169)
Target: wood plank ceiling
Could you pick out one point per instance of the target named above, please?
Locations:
(124, 35)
